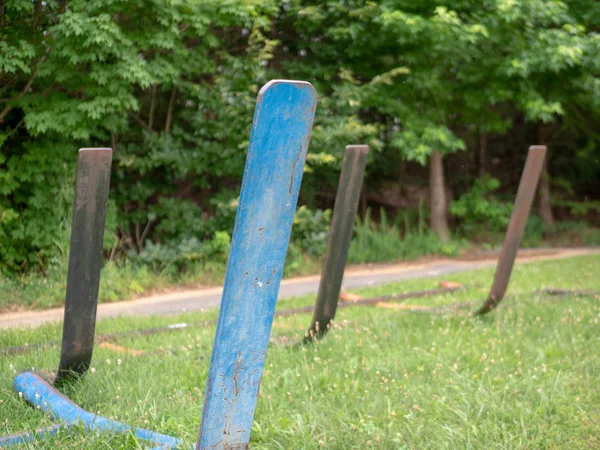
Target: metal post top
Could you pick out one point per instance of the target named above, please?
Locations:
(538, 148)
(296, 83)
(358, 148)
(100, 149)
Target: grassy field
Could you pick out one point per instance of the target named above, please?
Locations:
(525, 376)
(372, 243)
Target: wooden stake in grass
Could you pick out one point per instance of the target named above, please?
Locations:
(340, 233)
(278, 144)
(512, 240)
(85, 260)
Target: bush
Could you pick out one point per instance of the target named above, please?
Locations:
(373, 243)
(386, 243)
(176, 256)
(564, 233)
(224, 205)
(179, 219)
(535, 230)
(477, 209)
(36, 198)
(298, 263)
(310, 230)
(591, 237)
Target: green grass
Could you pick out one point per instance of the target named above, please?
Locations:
(118, 282)
(123, 281)
(372, 243)
(525, 376)
(390, 242)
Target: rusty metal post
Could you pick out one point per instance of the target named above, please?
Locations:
(516, 226)
(338, 242)
(85, 260)
(279, 140)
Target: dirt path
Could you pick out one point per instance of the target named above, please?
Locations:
(355, 277)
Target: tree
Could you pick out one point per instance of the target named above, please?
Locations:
(425, 74)
(551, 65)
(407, 68)
(170, 85)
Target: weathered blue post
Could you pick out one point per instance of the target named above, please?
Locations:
(278, 144)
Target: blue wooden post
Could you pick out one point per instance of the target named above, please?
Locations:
(278, 144)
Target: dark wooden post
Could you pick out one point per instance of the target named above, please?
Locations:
(340, 233)
(85, 260)
(516, 226)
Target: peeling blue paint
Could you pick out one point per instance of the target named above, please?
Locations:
(276, 155)
(43, 396)
(278, 145)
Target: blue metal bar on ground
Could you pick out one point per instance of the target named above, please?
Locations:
(274, 166)
(42, 395)
(30, 436)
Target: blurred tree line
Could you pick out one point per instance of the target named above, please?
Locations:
(448, 94)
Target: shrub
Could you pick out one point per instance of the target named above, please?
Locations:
(310, 230)
(477, 209)
(224, 205)
(179, 219)
(386, 242)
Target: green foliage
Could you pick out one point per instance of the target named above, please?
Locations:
(308, 242)
(225, 207)
(591, 237)
(478, 209)
(578, 208)
(298, 263)
(418, 142)
(118, 282)
(535, 228)
(35, 206)
(565, 233)
(171, 87)
(177, 219)
(310, 230)
(385, 242)
(374, 243)
(532, 364)
(175, 256)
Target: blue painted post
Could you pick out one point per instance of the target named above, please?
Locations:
(278, 144)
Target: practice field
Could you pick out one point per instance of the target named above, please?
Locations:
(524, 376)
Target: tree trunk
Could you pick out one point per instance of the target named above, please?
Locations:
(482, 154)
(545, 209)
(170, 110)
(437, 196)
